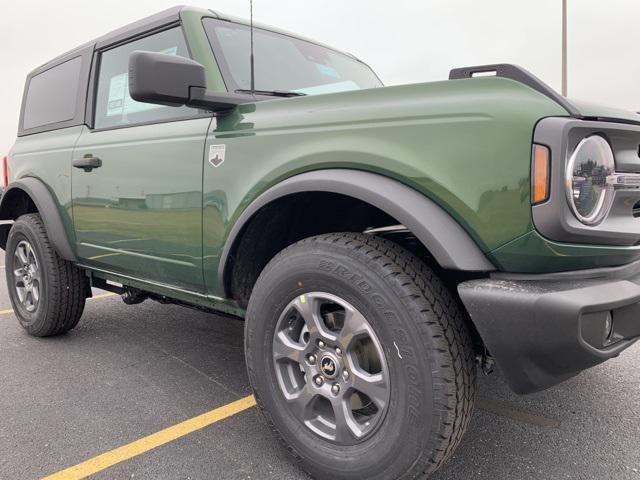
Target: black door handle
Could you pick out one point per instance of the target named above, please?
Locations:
(87, 163)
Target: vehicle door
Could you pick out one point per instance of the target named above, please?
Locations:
(137, 181)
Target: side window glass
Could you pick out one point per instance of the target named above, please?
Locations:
(51, 95)
(113, 105)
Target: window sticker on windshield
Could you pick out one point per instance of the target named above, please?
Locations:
(120, 102)
(327, 70)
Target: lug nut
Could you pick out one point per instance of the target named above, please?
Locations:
(319, 381)
(338, 351)
(345, 374)
(311, 359)
(321, 344)
(335, 389)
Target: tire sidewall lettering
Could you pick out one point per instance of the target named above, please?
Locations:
(401, 338)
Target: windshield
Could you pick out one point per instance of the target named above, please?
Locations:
(283, 63)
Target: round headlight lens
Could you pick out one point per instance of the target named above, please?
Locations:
(587, 170)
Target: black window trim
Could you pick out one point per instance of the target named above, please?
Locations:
(92, 90)
(86, 53)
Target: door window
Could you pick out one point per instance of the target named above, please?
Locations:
(114, 106)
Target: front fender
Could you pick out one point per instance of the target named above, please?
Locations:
(448, 242)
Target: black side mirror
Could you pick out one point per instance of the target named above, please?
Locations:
(172, 80)
(163, 79)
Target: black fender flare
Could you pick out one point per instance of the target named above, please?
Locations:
(47, 207)
(439, 232)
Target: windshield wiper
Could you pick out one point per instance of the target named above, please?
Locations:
(272, 93)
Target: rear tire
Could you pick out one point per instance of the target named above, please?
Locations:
(47, 293)
(423, 339)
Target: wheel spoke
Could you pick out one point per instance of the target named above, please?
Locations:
(300, 403)
(373, 386)
(307, 308)
(346, 429)
(18, 272)
(284, 347)
(355, 325)
(21, 254)
(35, 292)
(21, 293)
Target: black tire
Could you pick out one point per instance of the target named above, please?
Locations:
(62, 287)
(422, 332)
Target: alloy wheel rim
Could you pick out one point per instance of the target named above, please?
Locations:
(331, 368)
(26, 276)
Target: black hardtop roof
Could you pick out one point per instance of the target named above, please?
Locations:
(157, 20)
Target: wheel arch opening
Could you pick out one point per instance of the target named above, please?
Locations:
(291, 218)
(15, 202)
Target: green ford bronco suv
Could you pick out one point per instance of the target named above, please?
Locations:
(381, 243)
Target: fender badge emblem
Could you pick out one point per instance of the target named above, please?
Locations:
(216, 155)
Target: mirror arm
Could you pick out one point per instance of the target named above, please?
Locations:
(216, 101)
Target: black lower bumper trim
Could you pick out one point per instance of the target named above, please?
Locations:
(544, 330)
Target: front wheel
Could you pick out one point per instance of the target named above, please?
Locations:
(359, 358)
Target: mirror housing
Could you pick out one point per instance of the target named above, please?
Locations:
(163, 79)
(171, 80)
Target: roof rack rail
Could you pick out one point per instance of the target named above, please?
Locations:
(519, 74)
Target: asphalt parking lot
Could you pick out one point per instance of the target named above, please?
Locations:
(130, 371)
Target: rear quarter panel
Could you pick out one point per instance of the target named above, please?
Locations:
(47, 156)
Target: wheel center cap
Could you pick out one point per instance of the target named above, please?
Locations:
(329, 367)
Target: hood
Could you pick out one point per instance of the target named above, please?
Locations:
(602, 112)
(577, 108)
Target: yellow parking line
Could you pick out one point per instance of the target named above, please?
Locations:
(104, 255)
(101, 295)
(95, 297)
(138, 447)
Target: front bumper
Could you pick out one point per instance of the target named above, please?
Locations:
(544, 329)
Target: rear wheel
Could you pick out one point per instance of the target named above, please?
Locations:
(47, 293)
(359, 358)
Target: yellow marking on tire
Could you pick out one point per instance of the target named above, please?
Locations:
(138, 447)
(303, 299)
(95, 297)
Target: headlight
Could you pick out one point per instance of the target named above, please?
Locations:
(586, 179)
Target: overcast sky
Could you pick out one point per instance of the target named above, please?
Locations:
(405, 41)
